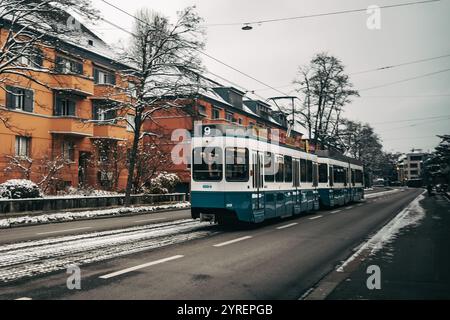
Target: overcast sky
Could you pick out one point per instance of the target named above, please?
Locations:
(272, 52)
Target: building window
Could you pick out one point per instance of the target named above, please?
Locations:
(202, 110)
(130, 122)
(415, 158)
(215, 113)
(23, 146)
(132, 90)
(64, 106)
(65, 65)
(229, 117)
(68, 151)
(414, 165)
(19, 99)
(240, 121)
(103, 112)
(104, 77)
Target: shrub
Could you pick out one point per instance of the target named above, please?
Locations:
(163, 183)
(19, 189)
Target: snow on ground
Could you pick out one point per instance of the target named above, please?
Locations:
(70, 216)
(410, 216)
(382, 193)
(37, 257)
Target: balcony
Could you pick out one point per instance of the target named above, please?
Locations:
(71, 126)
(110, 92)
(110, 131)
(72, 83)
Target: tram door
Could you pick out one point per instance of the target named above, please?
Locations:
(258, 181)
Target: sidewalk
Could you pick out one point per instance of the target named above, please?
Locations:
(416, 265)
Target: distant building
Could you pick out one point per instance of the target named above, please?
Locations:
(410, 165)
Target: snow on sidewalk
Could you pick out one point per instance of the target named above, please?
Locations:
(71, 216)
(409, 216)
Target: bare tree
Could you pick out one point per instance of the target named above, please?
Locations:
(21, 165)
(152, 159)
(361, 142)
(50, 170)
(164, 67)
(26, 27)
(325, 89)
(46, 170)
(110, 159)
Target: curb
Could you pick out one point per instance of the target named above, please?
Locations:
(93, 218)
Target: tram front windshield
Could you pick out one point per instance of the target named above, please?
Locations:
(207, 164)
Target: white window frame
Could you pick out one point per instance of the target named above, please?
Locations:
(130, 122)
(22, 146)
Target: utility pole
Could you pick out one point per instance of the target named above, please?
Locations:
(292, 98)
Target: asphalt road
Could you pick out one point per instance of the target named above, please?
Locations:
(279, 260)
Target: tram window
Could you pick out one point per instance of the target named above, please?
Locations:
(279, 174)
(358, 176)
(345, 176)
(309, 171)
(337, 174)
(323, 173)
(315, 173)
(269, 165)
(207, 164)
(330, 174)
(296, 172)
(303, 170)
(288, 169)
(236, 164)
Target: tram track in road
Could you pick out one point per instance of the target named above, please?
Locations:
(34, 258)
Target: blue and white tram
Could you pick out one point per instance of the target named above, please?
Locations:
(340, 179)
(243, 178)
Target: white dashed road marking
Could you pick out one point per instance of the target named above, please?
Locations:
(141, 266)
(316, 217)
(335, 211)
(232, 241)
(287, 226)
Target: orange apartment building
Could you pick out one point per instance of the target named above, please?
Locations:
(82, 78)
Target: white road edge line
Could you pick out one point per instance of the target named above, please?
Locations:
(287, 226)
(61, 231)
(335, 211)
(314, 218)
(24, 299)
(231, 241)
(147, 220)
(141, 266)
(360, 204)
(348, 208)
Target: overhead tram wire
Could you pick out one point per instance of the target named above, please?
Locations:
(405, 80)
(378, 69)
(414, 119)
(259, 22)
(204, 53)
